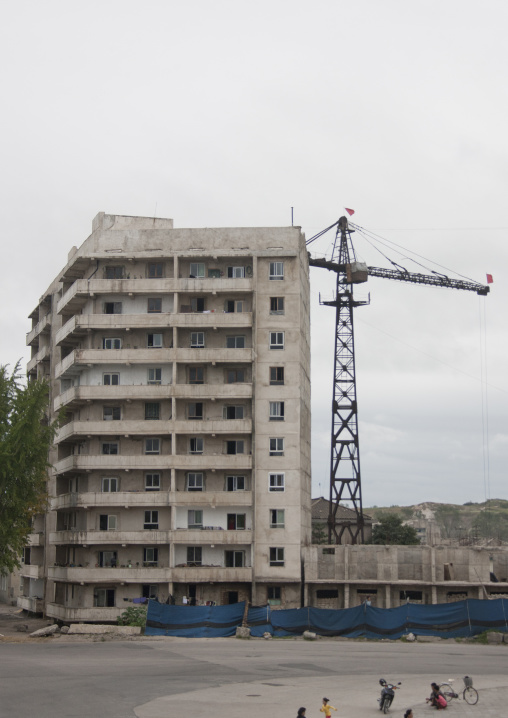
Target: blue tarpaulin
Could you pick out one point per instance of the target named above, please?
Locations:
(449, 620)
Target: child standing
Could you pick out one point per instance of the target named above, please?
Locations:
(326, 708)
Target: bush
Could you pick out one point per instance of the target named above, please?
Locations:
(133, 616)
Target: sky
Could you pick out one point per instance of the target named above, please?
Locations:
(231, 113)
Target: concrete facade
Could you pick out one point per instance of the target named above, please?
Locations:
(181, 361)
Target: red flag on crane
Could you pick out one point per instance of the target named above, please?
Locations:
(489, 279)
(349, 211)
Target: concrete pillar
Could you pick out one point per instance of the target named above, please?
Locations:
(434, 594)
(388, 602)
(346, 595)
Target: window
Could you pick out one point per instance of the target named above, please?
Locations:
(149, 590)
(276, 305)
(276, 482)
(234, 447)
(110, 447)
(152, 410)
(231, 306)
(155, 270)
(107, 558)
(112, 379)
(236, 522)
(276, 270)
(197, 304)
(276, 375)
(104, 597)
(235, 483)
(107, 522)
(277, 447)
(112, 308)
(195, 519)
(235, 376)
(151, 520)
(197, 340)
(195, 445)
(154, 305)
(150, 556)
(197, 270)
(195, 481)
(109, 484)
(195, 410)
(152, 446)
(194, 555)
(155, 375)
(152, 482)
(114, 272)
(236, 272)
(154, 340)
(276, 340)
(237, 342)
(196, 375)
(276, 411)
(233, 412)
(111, 343)
(234, 559)
(276, 556)
(328, 593)
(111, 413)
(273, 595)
(276, 518)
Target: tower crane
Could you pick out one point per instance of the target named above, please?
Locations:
(345, 475)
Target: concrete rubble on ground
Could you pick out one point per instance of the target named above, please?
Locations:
(48, 631)
(96, 629)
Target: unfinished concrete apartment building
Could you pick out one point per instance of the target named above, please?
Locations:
(180, 358)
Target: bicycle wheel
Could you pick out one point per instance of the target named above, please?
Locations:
(470, 695)
(386, 705)
(448, 692)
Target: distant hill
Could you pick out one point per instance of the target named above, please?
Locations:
(469, 521)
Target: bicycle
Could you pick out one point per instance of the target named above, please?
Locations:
(469, 694)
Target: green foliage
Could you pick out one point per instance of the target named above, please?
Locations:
(25, 439)
(133, 616)
(319, 533)
(448, 519)
(391, 530)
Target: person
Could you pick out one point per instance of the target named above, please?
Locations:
(301, 713)
(326, 708)
(409, 713)
(436, 698)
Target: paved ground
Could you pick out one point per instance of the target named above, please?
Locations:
(225, 678)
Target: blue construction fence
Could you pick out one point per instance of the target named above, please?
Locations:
(448, 620)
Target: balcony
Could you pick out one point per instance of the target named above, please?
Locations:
(31, 571)
(79, 325)
(212, 535)
(41, 355)
(213, 318)
(211, 498)
(30, 603)
(84, 394)
(96, 575)
(107, 428)
(87, 462)
(125, 499)
(43, 325)
(93, 538)
(83, 615)
(210, 574)
(212, 391)
(204, 355)
(36, 539)
(73, 362)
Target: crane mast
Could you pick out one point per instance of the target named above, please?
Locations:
(345, 475)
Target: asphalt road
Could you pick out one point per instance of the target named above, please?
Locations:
(219, 678)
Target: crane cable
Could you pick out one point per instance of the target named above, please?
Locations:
(320, 234)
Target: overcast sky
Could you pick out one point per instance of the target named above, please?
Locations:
(229, 113)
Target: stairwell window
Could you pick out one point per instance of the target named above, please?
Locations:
(276, 270)
(152, 482)
(276, 375)
(276, 556)
(276, 482)
(277, 518)
(197, 340)
(276, 340)
(111, 343)
(151, 520)
(276, 305)
(277, 446)
(276, 411)
(195, 481)
(154, 340)
(152, 446)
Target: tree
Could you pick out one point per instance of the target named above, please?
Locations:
(391, 530)
(25, 439)
(319, 533)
